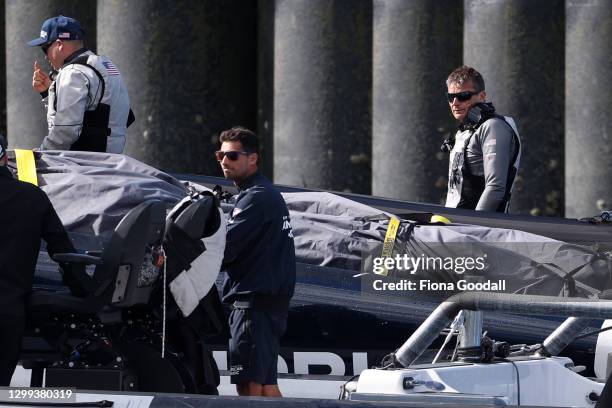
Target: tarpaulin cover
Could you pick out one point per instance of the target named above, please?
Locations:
(92, 192)
(334, 231)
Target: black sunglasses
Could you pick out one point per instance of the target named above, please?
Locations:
(45, 47)
(232, 154)
(462, 96)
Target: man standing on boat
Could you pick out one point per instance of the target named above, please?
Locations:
(88, 107)
(485, 152)
(260, 265)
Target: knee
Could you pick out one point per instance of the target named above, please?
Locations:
(271, 390)
(250, 388)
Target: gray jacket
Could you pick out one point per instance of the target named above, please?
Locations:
(76, 89)
(489, 154)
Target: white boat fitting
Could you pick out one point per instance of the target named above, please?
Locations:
(490, 373)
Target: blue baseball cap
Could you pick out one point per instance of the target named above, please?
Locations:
(58, 28)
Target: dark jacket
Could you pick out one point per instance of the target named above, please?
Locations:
(259, 252)
(26, 216)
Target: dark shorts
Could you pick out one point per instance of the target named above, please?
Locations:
(254, 345)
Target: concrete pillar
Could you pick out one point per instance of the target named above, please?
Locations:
(322, 93)
(2, 70)
(265, 84)
(588, 128)
(417, 43)
(26, 116)
(518, 46)
(190, 68)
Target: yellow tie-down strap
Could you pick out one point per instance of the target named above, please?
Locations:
(26, 166)
(439, 218)
(389, 243)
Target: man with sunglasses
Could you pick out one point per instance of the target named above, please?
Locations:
(260, 264)
(88, 107)
(485, 152)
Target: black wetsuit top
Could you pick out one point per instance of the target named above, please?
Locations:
(483, 166)
(26, 216)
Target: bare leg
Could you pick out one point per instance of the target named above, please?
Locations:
(271, 390)
(249, 389)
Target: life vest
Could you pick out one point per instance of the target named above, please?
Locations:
(468, 187)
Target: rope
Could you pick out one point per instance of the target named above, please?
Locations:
(459, 319)
(163, 345)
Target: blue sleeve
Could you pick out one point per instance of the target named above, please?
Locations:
(244, 226)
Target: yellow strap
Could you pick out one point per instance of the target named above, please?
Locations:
(387, 250)
(26, 166)
(439, 218)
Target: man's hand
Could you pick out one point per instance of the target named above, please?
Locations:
(40, 80)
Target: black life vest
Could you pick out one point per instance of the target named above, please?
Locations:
(473, 186)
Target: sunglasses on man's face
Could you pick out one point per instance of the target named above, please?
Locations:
(46, 47)
(461, 96)
(231, 155)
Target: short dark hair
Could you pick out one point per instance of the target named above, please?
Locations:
(463, 74)
(247, 137)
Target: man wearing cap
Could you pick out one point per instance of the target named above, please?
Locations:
(26, 216)
(88, 107)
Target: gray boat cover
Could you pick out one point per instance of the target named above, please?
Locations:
(93, 191)
(334, 231)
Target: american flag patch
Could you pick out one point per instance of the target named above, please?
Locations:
(63, 35)
(110, 68)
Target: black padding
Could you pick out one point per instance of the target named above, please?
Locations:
(141, 227)
(181, 250)
(78, 258)
(201, 219)
(42, 304)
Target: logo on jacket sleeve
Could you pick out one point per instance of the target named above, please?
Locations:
(287, 226)
(236, 369)
(110, 68)
(233, 214)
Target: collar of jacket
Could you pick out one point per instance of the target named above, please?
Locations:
(248, 182)
(464, 126)
(5, 173)
(74, 55)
